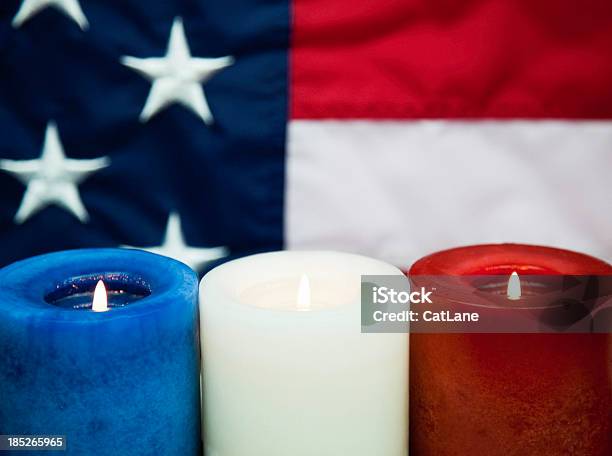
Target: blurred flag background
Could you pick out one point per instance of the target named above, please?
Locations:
(207, 130)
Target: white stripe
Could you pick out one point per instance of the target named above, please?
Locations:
(398, 190)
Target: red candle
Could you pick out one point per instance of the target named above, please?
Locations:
(506, 394)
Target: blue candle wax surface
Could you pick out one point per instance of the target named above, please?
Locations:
(120, 382)
(78, 292)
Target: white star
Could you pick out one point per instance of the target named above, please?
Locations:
(177, 77)
(70, 8)
(174, 246)
(52, 178)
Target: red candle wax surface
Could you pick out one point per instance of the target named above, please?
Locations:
(510, 394)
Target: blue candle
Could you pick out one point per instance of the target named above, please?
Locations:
(124, 381)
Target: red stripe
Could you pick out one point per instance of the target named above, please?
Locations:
(452, 59)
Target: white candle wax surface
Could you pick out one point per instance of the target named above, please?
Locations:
(284, 293)
(288, 378)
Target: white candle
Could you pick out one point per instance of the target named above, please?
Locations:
(287, 371)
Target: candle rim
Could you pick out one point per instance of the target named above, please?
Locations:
(25, 283)
(461, 262)
(551, 260)
(231, 291)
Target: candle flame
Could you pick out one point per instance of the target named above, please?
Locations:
(514, 287)
(303, 296)
(100, 300)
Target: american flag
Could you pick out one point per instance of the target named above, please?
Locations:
(207, 130)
